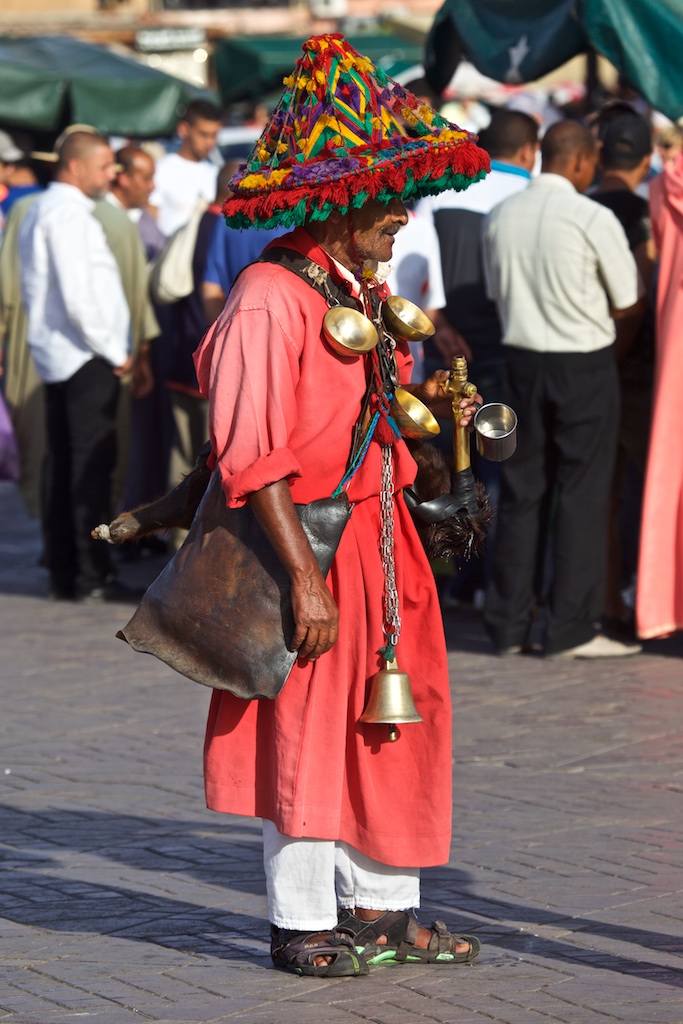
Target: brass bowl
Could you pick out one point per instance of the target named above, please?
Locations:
(405, 320)
(348, 332)
(413, 417)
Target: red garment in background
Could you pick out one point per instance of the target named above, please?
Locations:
(659, 601)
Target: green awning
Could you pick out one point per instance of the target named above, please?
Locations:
(522, 40)
(248, 67)
(47, 82)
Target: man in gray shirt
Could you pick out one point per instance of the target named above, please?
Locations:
(559, 269)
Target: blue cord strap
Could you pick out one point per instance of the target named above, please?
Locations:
(360, 455)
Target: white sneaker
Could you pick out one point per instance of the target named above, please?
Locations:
(600, 647)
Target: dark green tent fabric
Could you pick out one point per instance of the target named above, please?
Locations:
(49, 81)
(248, 67)
(521, 40)
(644, 40)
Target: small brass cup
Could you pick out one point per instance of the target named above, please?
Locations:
(495, 428)
(405, 320)
(413, 417)
(348, 332)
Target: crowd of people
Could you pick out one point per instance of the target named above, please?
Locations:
(135, 324)
(460, 262)
(549, 263)
(452, 259)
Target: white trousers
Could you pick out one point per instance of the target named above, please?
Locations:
(308, 880)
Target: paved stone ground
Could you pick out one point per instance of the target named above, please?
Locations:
(123, 899)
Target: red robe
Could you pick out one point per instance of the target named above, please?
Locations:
(659, 594)
(283, 405)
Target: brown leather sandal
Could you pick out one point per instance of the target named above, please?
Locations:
(297, 951)
(401, 930)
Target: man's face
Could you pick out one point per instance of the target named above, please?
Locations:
(136, 186)
(95, 171)
(374, 228)
(198, 139)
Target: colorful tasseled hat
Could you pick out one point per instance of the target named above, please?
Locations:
(342, 133)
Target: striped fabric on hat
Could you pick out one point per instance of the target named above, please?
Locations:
(343, 132)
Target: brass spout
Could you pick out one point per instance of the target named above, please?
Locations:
(458, 387)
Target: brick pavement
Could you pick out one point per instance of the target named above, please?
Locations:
(124, 899)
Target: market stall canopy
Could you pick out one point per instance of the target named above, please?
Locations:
(521, 40)
(249, 67)
(47, 82)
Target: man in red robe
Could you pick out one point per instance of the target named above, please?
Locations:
(349, 816)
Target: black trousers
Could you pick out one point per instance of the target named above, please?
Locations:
(81, 453)
(557, 481)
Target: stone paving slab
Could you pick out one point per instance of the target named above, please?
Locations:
(124, 899)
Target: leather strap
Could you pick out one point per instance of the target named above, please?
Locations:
(310, 272)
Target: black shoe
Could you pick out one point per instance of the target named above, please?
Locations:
(297, 952)
(112, 591)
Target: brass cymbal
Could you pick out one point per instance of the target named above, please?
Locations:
(348, 331)
(405, 320)
(413, 417)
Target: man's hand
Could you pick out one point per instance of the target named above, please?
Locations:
(121, 371)
(316, 618)
(438, 402)
(142, 381)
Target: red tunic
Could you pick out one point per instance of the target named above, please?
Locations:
(283, 405)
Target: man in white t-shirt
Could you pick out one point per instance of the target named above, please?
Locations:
(181, 178)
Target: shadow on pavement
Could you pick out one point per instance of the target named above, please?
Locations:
(40, 891)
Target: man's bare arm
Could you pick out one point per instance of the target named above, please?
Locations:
(316, 617)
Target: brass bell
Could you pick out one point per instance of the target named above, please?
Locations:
(390, 700)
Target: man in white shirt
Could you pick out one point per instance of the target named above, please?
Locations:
(181, 178)
(79, 335)
(559, 269)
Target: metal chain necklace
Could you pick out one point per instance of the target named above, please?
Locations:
(388, 375)
(392, 616)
